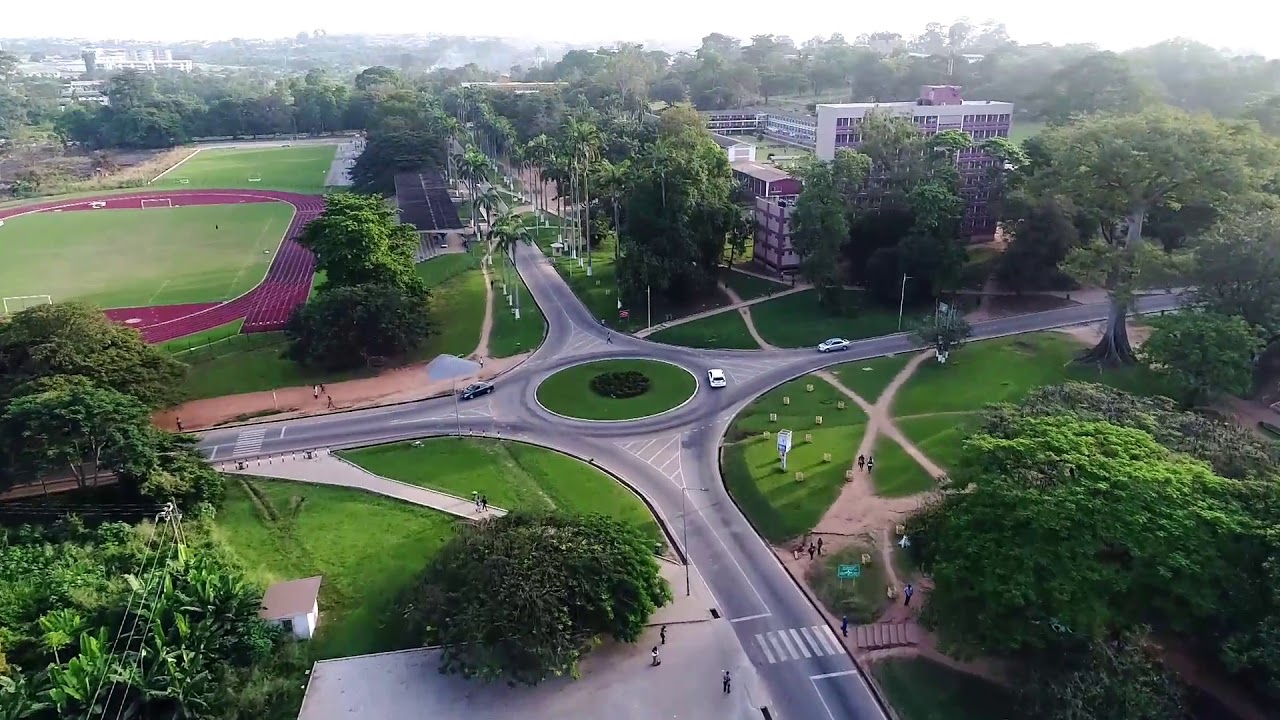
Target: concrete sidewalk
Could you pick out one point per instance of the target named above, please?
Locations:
(324, 468)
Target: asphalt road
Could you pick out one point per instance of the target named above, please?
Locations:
(670, 459)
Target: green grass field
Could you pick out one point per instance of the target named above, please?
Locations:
(750, 287)
(512, 475)
(302, 169)
(798, 321)
(863, 598)
(510, 336)
(780, 506)
(869, 378)
(726, 331)
(250, 363)
(568, 392)
(127, 258)
(920, 689)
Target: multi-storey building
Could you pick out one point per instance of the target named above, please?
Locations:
(939, 108)
(736, 150)
(145, 59)
(791, 129)
(773, 193)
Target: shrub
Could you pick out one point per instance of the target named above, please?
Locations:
(622, 384)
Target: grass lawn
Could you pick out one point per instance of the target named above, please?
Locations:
(251, 363)
(1005, 370)
(513, 476)
(869, 378)
(302, 169)
(509, 335)
(780, 506)
(187, 345)
(896, 473)
(569, 392)
(295, 530)
(937, 436)
(920, 689)
(750, 287)
(863, 598)
(798, 321)
(130, 258)
(726, 331)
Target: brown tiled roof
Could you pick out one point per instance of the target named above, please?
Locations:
(290, 599)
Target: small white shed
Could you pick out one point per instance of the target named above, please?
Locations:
(294, 605)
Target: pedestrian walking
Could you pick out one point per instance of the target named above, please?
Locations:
(321, 387)
(663, 634)
(907, 592)
(215, 227)
(871, 462)
(812, 549)
(819, 546)
(862, 461)
(331, 405)
(844, 625)
(315, 392)
(179, 424)
(476, 499)
(795, 552)
(724, 682)
(484, 503)
(654, 652)
(608, 339)
(481, 361)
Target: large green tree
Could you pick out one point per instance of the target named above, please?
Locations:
(1203, 355)
(354, 326)
(524, 597)
(359, 240)
(1117, 169)
(1236, 270)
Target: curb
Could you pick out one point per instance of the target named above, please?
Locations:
(697, 386)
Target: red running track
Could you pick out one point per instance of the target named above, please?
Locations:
(265, 308)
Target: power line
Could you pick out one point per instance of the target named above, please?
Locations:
(173, 525)
(150, 551)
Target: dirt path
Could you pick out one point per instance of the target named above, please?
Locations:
(490, 297)
(745, 311)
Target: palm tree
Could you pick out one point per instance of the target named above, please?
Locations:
(538, 153)
(508, 232)
(490, 203)
(473, 169)
(615, 180)
(584, 138)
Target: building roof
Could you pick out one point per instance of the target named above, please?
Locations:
(727, 142)
(909, 104)
(760, 172)
(290, 599)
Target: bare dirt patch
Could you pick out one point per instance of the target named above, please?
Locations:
(1091, 334)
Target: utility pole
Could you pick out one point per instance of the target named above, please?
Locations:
(456, 415)
(648, 303)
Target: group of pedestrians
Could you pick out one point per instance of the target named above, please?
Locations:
(813, 548)
(482, 503)
(867, 462)
(725, 679)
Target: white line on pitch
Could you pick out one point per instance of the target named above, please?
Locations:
(824, 676)
(751, 617)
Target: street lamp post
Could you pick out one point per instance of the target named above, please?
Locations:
(684, 521)
(902, 299)
(648, 305)
(457, 415)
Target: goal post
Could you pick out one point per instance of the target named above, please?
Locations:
(18, 303)
(156, 203)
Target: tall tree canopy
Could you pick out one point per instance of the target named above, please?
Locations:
(359, 240)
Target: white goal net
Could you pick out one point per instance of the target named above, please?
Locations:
(19, 303)
(156, 203)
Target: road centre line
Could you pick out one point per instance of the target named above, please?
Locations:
(751, 617)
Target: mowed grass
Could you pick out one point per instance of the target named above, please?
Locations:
(511, 475)
(129, 258)
(568, 392)
(777, 503)
(510, 336)
(726, 330)
(920, 689)
(750, 287)
(253, 363)
(301, 169)
(897, 474)
(869, 378)
(799, 321)
(367, 548)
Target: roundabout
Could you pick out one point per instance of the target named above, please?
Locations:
(616, 390)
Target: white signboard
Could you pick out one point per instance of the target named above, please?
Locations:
(784, 446)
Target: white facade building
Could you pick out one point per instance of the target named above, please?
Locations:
(144, 60)
(838, 122)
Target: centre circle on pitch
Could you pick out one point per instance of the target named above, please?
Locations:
(627, 389)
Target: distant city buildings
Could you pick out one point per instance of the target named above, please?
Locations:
(520, 88)
(94, 59)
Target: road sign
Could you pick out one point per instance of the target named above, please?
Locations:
(784, 447)
(848, 571)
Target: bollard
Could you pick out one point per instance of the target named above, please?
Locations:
(848, 475)
(773, 417)
(767, 434)
(786, 399)
(808, 437)
(808, 387)
(817, 419)
(826, 457)
(866, 558)
(840, 404)
(900, 529)
(799, 477)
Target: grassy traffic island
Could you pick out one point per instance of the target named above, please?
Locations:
(282, 530)
(617, 389)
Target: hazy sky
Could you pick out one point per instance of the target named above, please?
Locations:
(1113, 24)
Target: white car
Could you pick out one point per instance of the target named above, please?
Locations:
(833, 345)
(715, 378)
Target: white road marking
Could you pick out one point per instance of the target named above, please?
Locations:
(282, 429)
(822, 699)
(751, 617)
(817, 647)
(824, 676)
(214, 452)
(782, 655)
(249, 441)
(768, 655)
(786, 640)
(804, 649)
(817, 639)
(831, 635)
(662, 449)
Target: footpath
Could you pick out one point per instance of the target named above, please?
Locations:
(320, 467)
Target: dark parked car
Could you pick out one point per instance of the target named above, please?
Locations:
(475, 390)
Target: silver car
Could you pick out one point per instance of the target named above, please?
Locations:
(833, 345)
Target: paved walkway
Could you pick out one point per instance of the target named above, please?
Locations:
(745, 311)
(716, 311)
(324, 468)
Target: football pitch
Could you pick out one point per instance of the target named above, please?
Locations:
(132, 258)
(301, 169)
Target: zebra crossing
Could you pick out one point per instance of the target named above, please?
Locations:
(661, 453)
(798, 643)
(249, 441)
